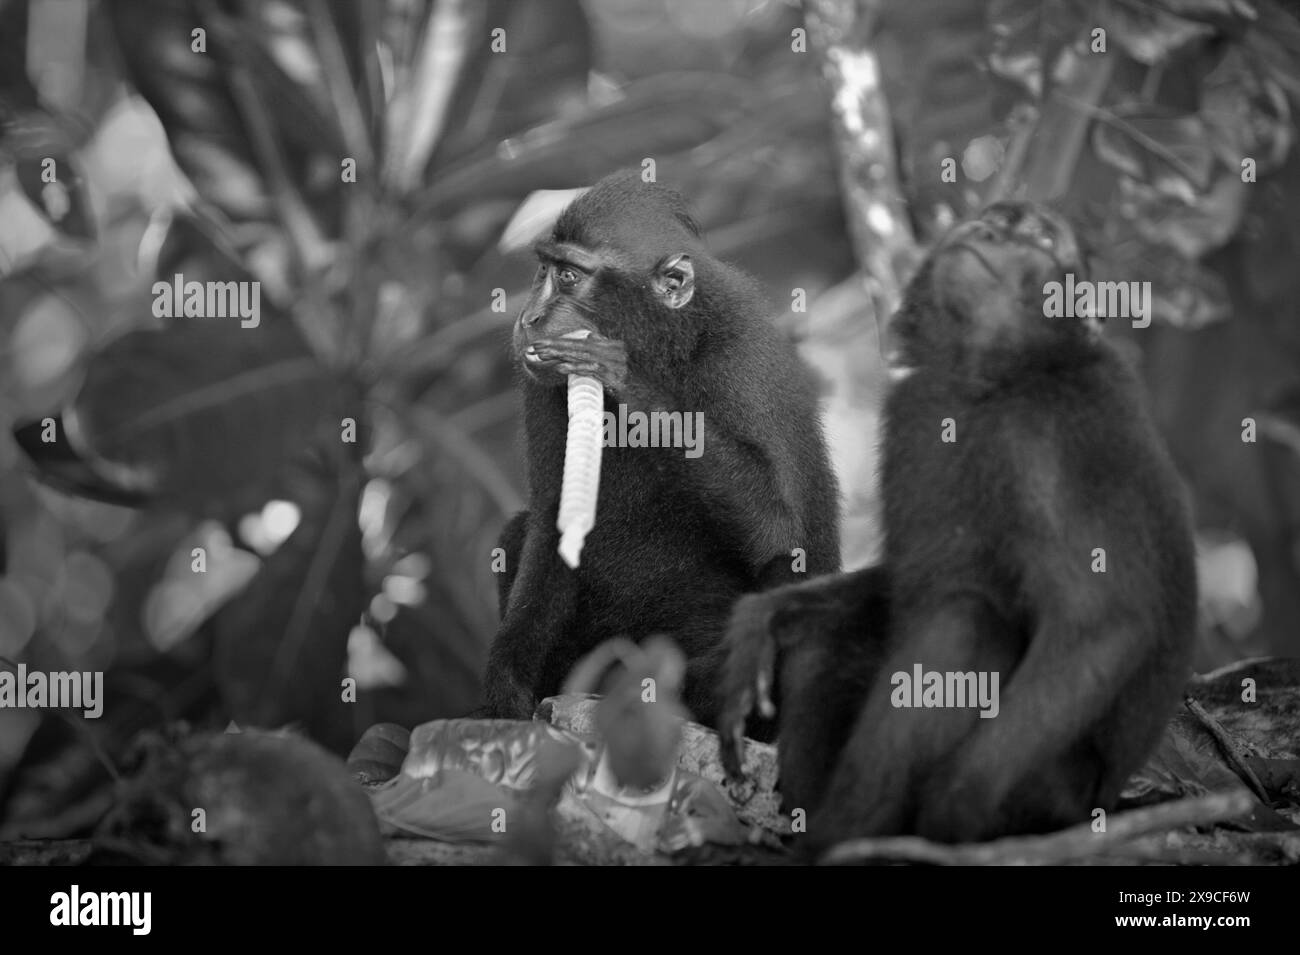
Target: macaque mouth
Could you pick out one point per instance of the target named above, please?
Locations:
(537, 370)
(1049, 255)
(898, 365)
(897, 360)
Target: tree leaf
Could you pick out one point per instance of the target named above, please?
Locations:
(535, 215)
(281, 644)
(543, 74)
(195, 96)
(200, 412)
(1027, 37)
(1170, 151)
(16, 90)
(1151, 35)
(1246, 113)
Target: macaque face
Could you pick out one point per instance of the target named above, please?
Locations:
(986, 276)
(559, 306)
(572, 322)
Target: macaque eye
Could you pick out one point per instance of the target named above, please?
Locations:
(567, 277)
(541, 274)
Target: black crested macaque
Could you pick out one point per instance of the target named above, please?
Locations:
(677, 537)
(1035, 529)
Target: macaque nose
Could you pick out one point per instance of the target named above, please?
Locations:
(529, 317)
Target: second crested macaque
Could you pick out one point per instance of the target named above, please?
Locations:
(677, 537)
(1034, 530)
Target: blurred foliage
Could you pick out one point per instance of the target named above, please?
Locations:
(1142, 141)
(1143, 144)
(325, 558)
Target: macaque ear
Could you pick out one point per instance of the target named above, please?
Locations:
(674, 280)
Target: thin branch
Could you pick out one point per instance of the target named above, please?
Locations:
(1153, 146)
(1077, 842)
(1229, 746)
(263, 378)
(873, 198)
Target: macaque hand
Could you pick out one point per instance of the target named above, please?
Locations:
(602, 358)
(747, 676)
(508, 698)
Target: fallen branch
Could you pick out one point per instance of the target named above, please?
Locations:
(1074, 843)
(1232, 750)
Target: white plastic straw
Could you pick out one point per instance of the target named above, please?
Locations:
(581, 466)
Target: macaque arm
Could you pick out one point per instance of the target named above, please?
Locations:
(540, 608)
(737, 473)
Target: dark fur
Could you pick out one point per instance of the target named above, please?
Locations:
(987, 566)
(676, 540)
